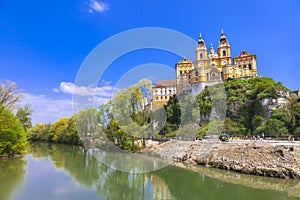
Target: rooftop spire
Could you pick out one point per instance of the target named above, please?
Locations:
(222, 31)
(201, 43)
(211, 49)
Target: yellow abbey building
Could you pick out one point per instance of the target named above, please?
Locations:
(209, 68)
(213, 66)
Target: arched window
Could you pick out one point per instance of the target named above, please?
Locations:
(201, 55)
(224, 52)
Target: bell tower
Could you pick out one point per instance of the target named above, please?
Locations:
(224, 50)
(201, 51)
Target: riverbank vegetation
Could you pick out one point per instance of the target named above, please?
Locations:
(256, 106)
(13, 127)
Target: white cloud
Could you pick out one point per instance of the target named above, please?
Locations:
(104, 91)
(56, 90)
(47, 109)
(86, 96)
(97, 6)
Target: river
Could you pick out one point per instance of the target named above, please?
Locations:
(50, 171)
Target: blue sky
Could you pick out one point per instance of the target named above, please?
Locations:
(44, 43)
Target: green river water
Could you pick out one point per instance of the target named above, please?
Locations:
(64, 172)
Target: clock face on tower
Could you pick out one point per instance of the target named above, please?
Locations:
(224, 62)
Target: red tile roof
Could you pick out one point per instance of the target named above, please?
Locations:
(165, 83)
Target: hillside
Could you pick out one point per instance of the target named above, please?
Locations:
(256, 106)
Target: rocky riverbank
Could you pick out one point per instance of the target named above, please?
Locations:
(257, 158)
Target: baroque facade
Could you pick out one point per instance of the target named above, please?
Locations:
(213, 66)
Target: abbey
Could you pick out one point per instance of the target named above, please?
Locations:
(213, 66)
(210, 67)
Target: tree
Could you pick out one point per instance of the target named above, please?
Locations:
(88, 126)
(12, 134)
(257, 121)
(274, 127)
(59, 130)
(292, 109)
(234, 128)
(40, 132)
(23, 114)
(173, 116)
(72, 136)
(9, 95)
(204, 104)
(130, 112)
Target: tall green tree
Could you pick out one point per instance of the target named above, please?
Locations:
(130, 111)
(173, 112)
(88, 126)
(59, 130)
(23, 114)
(12, 134)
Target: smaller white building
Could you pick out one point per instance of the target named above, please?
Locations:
(162, 92)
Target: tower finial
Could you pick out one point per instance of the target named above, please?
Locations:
(211, 44)
(200, 36)
(222, 31)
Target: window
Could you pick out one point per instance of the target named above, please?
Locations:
(196, 73)
(250, 66)
(161, 97)
(166, 97)
(224, 53)
(245, 66)
(156, 98)
(201, 55)
(180, 73)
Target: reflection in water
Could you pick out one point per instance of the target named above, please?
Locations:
(186, 183)
(88, 171)
(12, 173)
(68, 172)
(290, 186)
